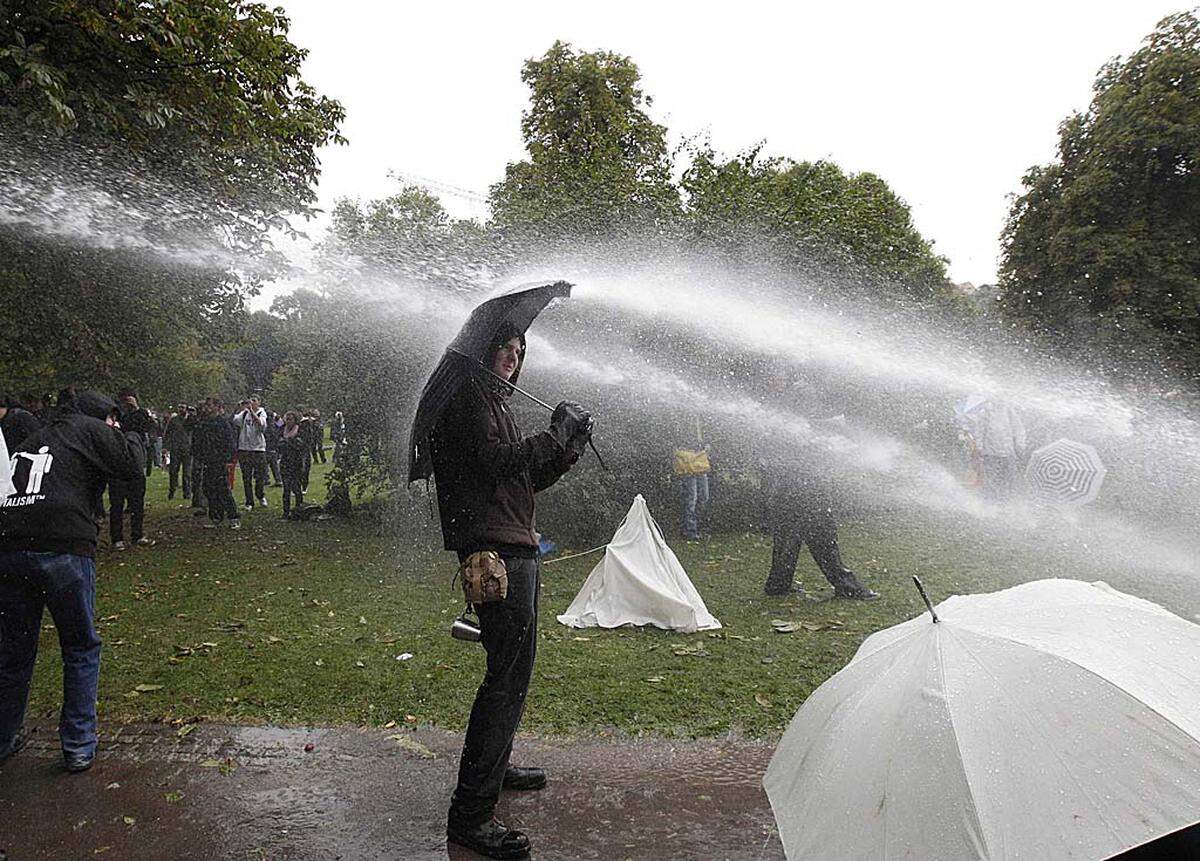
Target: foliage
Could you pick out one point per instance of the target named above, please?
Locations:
(816, 218)
(179, 128)
(597, 163)
(1101, 251)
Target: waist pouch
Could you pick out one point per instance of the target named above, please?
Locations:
(484, 577)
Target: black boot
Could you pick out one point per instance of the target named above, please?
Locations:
(490, 839)
(524, 778)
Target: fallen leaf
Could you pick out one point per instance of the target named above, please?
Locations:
(186, 730)
(100, 850)
(389, 724)
(654, 680)
(113, 785)
(308, 748)
(211, 763)
(582, 639)
(146, 689)
(359, 664)
(362, 620)
(319, 662)
(173, 796)
(762, 701)
(413, 746)
(404, 656)
(128, 820)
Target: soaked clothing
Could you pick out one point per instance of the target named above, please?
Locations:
(799, 511)
(509, 636)
(487, 471)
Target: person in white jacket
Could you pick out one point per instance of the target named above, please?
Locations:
(1000, 439)
(250, 423)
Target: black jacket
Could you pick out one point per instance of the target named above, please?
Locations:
(487, 472)
(16, 425)
(213, 440)
(178, 436)
(60, 472)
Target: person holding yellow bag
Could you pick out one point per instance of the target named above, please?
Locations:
(692, 466)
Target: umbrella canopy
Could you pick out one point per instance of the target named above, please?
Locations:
(1057, 719)
(518, 308)
(1065, 472)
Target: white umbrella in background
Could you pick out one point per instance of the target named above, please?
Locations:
(1054, 720)
(1066, 472)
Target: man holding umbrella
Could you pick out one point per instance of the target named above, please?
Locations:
(487, 473)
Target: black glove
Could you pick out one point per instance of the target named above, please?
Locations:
(569, 419)
(578, 444)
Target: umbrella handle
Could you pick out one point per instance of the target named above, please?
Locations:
(592, 446)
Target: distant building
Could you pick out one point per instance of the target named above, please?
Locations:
(985, 297)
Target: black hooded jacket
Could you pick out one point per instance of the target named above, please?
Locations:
(487, 472)
(59, 473)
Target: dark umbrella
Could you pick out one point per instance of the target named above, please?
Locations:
(466, 355)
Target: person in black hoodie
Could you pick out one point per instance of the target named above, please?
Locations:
(213, 446)
(15, 423)
(47, 560)
(137, 424)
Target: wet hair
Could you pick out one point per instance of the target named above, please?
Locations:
(505, 334)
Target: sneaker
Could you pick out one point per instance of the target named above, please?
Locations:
(119, 545)
(77, 762)
(856, 593)
(15, 744)
(249, 506)
(145, 542)
(236, 523)
(263, 502)
(492, 839)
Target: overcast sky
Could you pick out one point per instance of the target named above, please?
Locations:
(949, 102)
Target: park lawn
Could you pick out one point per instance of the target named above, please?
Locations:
(303, 623)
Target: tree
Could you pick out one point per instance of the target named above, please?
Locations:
(186, 125)
(597, 163)
(816, 218)
(1100, 252)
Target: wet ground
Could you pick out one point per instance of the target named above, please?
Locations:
(214, 792)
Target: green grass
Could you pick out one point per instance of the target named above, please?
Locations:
(301, 624)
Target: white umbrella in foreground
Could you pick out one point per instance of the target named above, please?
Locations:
(1054, 720)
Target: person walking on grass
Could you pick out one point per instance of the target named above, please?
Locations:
(293, 456)
(48, 538)
(177, 438)
(273, 431)
(486, 473)
(138, 426)
(213, 447)
(251, 425)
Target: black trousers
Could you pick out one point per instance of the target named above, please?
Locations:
(291, 490)
(199, 497)
(273, 465)
(817, 529)
(509, 630)
(124, 495)
(216, 490)
(181, 462)
(254, 474)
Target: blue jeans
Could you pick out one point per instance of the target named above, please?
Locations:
(695, 500)
(66, 584)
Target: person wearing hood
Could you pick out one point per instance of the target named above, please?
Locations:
(486, 474)
(15, 423)
(213, 446)
(138, 426)
(47, 561)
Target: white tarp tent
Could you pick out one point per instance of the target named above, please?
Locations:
(639, 582)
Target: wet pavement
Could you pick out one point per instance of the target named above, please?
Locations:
(212, 791)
